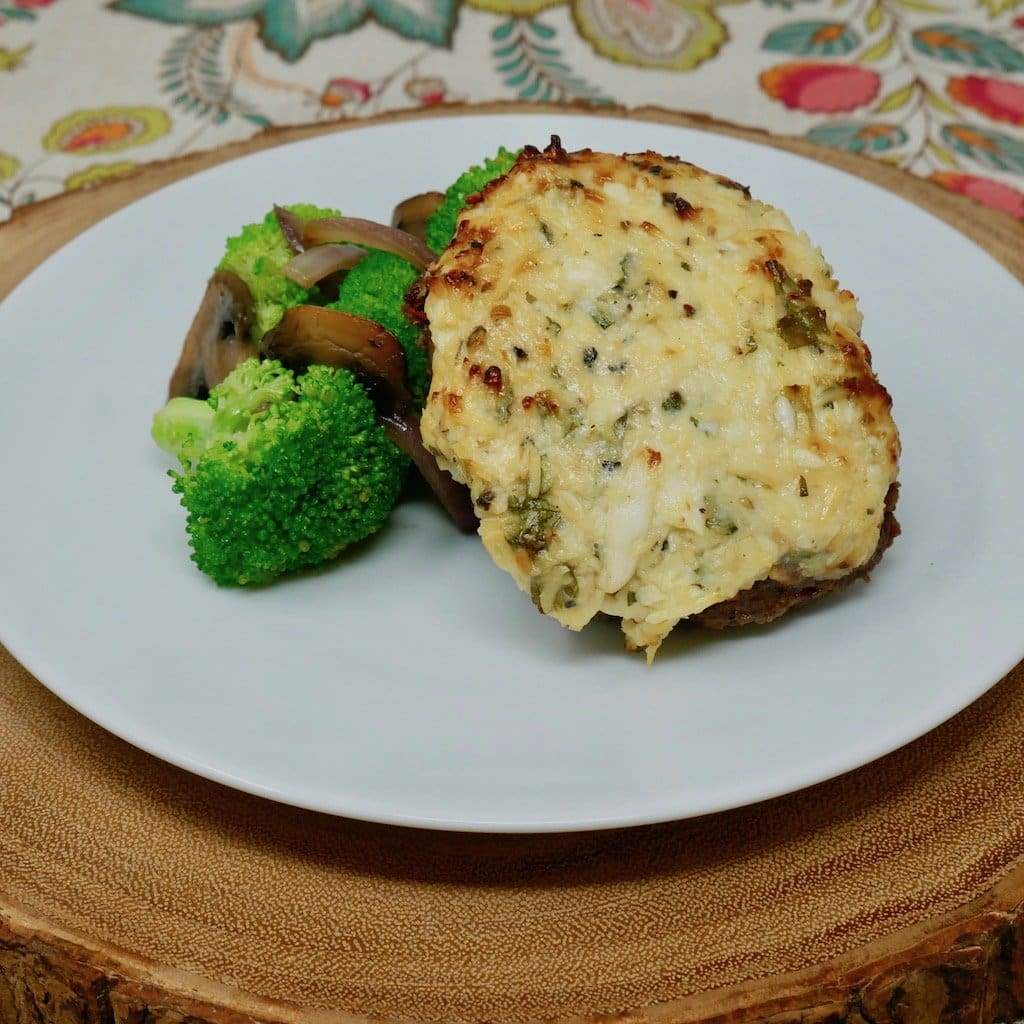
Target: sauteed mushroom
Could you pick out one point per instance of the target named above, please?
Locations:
(329, 337)
(218, 339)
(412, 214)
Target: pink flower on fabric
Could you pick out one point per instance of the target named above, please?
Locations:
(427, 91)
(993, 194)
(1001, 101)
(341, 91)
(28, 5)
(820, 88)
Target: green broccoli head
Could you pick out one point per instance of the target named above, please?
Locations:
(278, 472)
(444, 220)
(257, 256)
(375, 288)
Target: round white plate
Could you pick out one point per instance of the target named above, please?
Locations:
(412, 683)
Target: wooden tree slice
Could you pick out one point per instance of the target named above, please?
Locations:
(132, 892)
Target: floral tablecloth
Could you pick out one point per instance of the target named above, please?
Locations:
(92, 89)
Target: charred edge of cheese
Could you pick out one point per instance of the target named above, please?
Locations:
(655, 389)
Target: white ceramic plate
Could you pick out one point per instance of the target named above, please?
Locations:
(413, 683)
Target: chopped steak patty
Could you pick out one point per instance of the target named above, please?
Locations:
(657, 394)
(766, 600)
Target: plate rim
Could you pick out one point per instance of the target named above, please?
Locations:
(36, 662)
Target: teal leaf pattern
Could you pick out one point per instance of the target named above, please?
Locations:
(959, 44)
(432, 21)
(191, 72)
(289, 26)
(530, 62)
(15, 14)
(194, 12)
(821, 38)
(858, 136)
(997, 150)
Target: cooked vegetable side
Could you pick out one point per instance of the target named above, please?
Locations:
(257, 255)
(656, 391)
(376, 289)
(278, 472)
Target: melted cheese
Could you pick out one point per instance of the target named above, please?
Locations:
(655, 390)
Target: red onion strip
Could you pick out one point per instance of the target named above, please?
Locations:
(371, 234)
(313, 265)
(291, 228)
(403, 427)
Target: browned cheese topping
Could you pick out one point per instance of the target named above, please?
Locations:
(655, 390)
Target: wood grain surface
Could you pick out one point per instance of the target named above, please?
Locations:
(132, 892)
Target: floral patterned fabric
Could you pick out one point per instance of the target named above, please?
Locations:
(92, 89)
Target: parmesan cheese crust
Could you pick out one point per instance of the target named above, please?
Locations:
(655, 390)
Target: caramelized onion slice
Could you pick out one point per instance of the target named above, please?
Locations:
(313, 265)
(368, 233)
(412, 214)
(291, 228)
(328, 337)
(404, 429)
(218, 339)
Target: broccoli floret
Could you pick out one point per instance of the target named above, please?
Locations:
(278, 472)
(444, 220)
(375, 288)
(257, 256)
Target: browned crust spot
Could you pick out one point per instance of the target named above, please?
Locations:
(729, 183)
(459, 278)
(472, 237)
(415, 298)
(867, 385)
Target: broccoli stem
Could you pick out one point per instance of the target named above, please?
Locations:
(183, 426)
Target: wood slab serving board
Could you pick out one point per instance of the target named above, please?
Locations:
(131, 892)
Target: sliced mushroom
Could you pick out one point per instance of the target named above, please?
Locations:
(291, 228)
(412, 214)
(328, 337)
(218, 339)
(310, 334)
